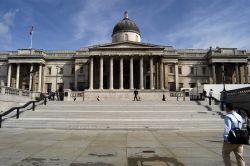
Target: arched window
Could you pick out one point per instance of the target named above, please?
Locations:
(126, 37)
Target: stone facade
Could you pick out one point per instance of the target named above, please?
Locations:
(123, 64)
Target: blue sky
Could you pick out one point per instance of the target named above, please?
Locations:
(71, 24)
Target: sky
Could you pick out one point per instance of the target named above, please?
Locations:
(71, 24)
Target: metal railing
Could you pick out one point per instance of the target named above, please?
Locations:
(21, 107)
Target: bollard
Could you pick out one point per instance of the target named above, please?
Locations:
(17, 113)
(33, 106)
(45, 100)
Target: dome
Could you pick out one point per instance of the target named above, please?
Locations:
(126, 25)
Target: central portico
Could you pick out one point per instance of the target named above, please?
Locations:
(125, 65)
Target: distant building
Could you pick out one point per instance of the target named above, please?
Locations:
(126, 63)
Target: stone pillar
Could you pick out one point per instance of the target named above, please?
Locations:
(176, 77)
(141, 73)
(91, 73)
(31, 76)
(40, 79)
(111, 74)
(214, 74)
(121, 72)
(157, 75)
(9, 76)
(161, 75)
(131, 70)
(17, 76)
(76, 77)
(246, 74)
(210, 75)
(101, 73)
(151, 72)
(222, 73)
(237, 73)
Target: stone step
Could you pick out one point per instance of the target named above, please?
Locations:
(120, 114)
(130, 107)
(115, 124)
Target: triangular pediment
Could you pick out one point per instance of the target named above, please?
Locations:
(127, 45)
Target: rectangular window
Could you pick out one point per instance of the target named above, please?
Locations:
(171, 86)
(179, 70)
(72, 70)
(81, 69)
(60, 70)
(191, 70)
(171, 69)
(49, 70)
(180, 86)
(203, 70)
(48, 87)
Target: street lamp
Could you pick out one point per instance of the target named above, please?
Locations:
(223, 93)
(56, 75)
(196, 76)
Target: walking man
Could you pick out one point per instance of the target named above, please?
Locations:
(210, 96)
(232, 120)
(135, 95)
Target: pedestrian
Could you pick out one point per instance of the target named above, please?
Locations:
(136, 95)
(163, 97)
(210, 96)
(232, 120)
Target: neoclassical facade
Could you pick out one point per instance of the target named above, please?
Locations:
(124, 64)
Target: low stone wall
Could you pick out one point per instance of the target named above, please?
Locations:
(118, 95)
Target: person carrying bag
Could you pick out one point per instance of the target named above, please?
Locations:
(233, 124)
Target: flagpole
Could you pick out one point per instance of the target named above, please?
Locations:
(31, 36)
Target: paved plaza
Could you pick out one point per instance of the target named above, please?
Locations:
(49, 147)
(172, 133)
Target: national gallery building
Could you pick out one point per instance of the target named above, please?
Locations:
(124, 64)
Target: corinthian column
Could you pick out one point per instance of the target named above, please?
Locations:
(111, 75)
(161, 75)
(40, 79)
(131, 70)
(176, 77)
(91, 73)
(151, 73)
(17, 76)
(246, 74)
(141, 73)
(101, 73)
(9, 75)
(121, 72)
(237, 73)
(214, 74)
(31, 73)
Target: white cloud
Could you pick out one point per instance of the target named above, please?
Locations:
(6, 22)
(95, 21)
(225, 28)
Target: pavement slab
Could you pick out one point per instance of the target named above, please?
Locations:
(51, 147)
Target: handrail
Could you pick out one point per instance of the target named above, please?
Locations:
(18, 108)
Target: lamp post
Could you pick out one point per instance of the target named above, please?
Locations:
(56, 75)
(196, 76)
(223, 93)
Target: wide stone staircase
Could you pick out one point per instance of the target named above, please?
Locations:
(168, 115)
